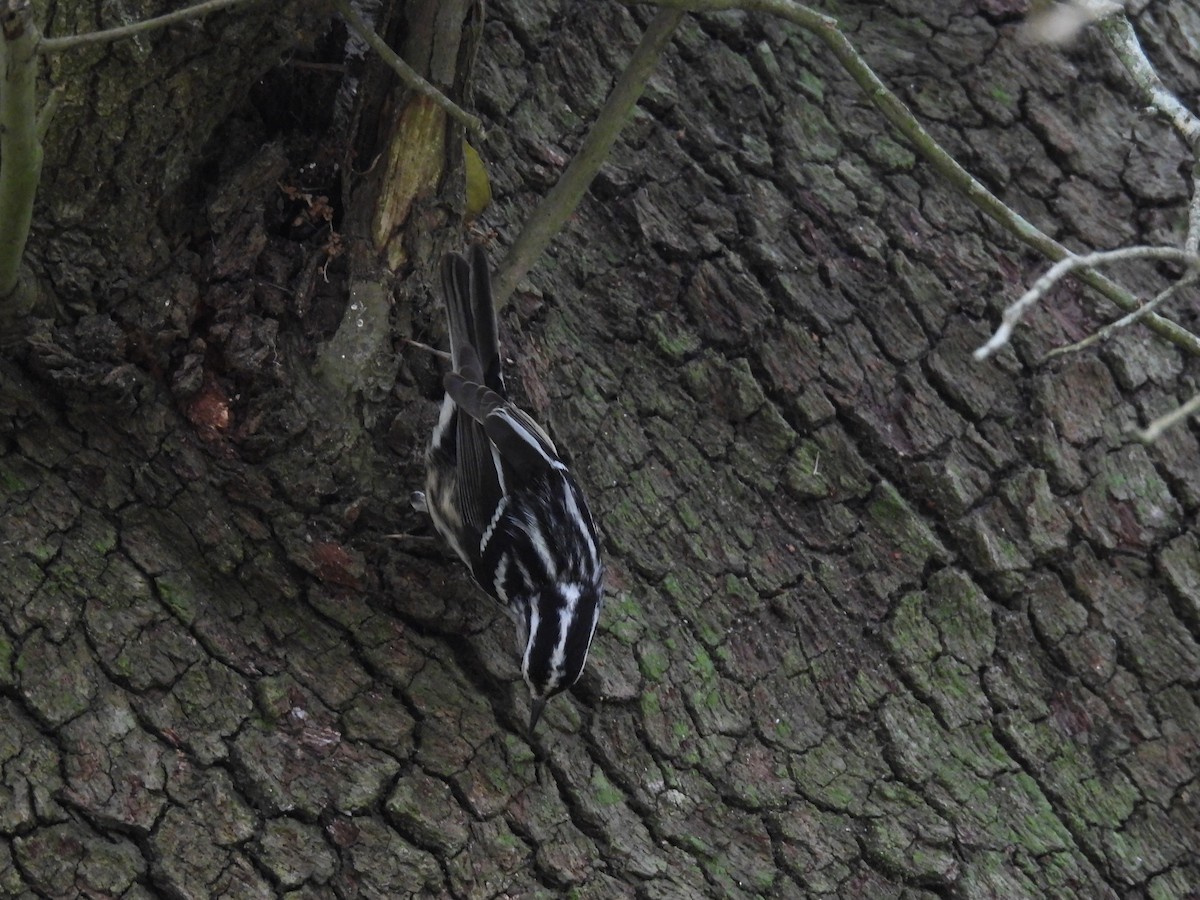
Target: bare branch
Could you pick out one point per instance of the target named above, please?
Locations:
(1192, 243)
(407, 74)
(1154, 430)
(894, 110)
(1120, 35)
(547, 219)
(1065, 267)
(1123, 40)
(58, 45)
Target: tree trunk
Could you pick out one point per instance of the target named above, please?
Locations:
(882, 621)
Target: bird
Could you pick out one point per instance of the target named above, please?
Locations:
(498, 492)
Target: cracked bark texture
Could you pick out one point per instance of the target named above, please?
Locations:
(882, 621)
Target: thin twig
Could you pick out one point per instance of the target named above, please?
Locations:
(1065, 267)
(440, 354)
(1123, 40)
(1125, 321)
(46, 115)
(407, 74)
(1120, 35)
(562, 200)
(1154, 430)
(1192, 243)
(58, 45)
(894, 110)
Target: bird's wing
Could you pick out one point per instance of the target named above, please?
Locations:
(523, 450)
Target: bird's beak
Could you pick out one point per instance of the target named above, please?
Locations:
(536, 705)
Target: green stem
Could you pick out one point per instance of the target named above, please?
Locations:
(20, 150)
(548, 218)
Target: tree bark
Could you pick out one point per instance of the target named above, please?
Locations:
(882, 621)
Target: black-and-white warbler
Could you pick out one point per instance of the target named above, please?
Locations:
(498, 493)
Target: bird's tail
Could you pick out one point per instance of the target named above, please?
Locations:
(467, 288)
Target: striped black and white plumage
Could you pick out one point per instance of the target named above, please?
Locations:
(498, 493)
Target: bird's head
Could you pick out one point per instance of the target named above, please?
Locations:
(554, 638)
